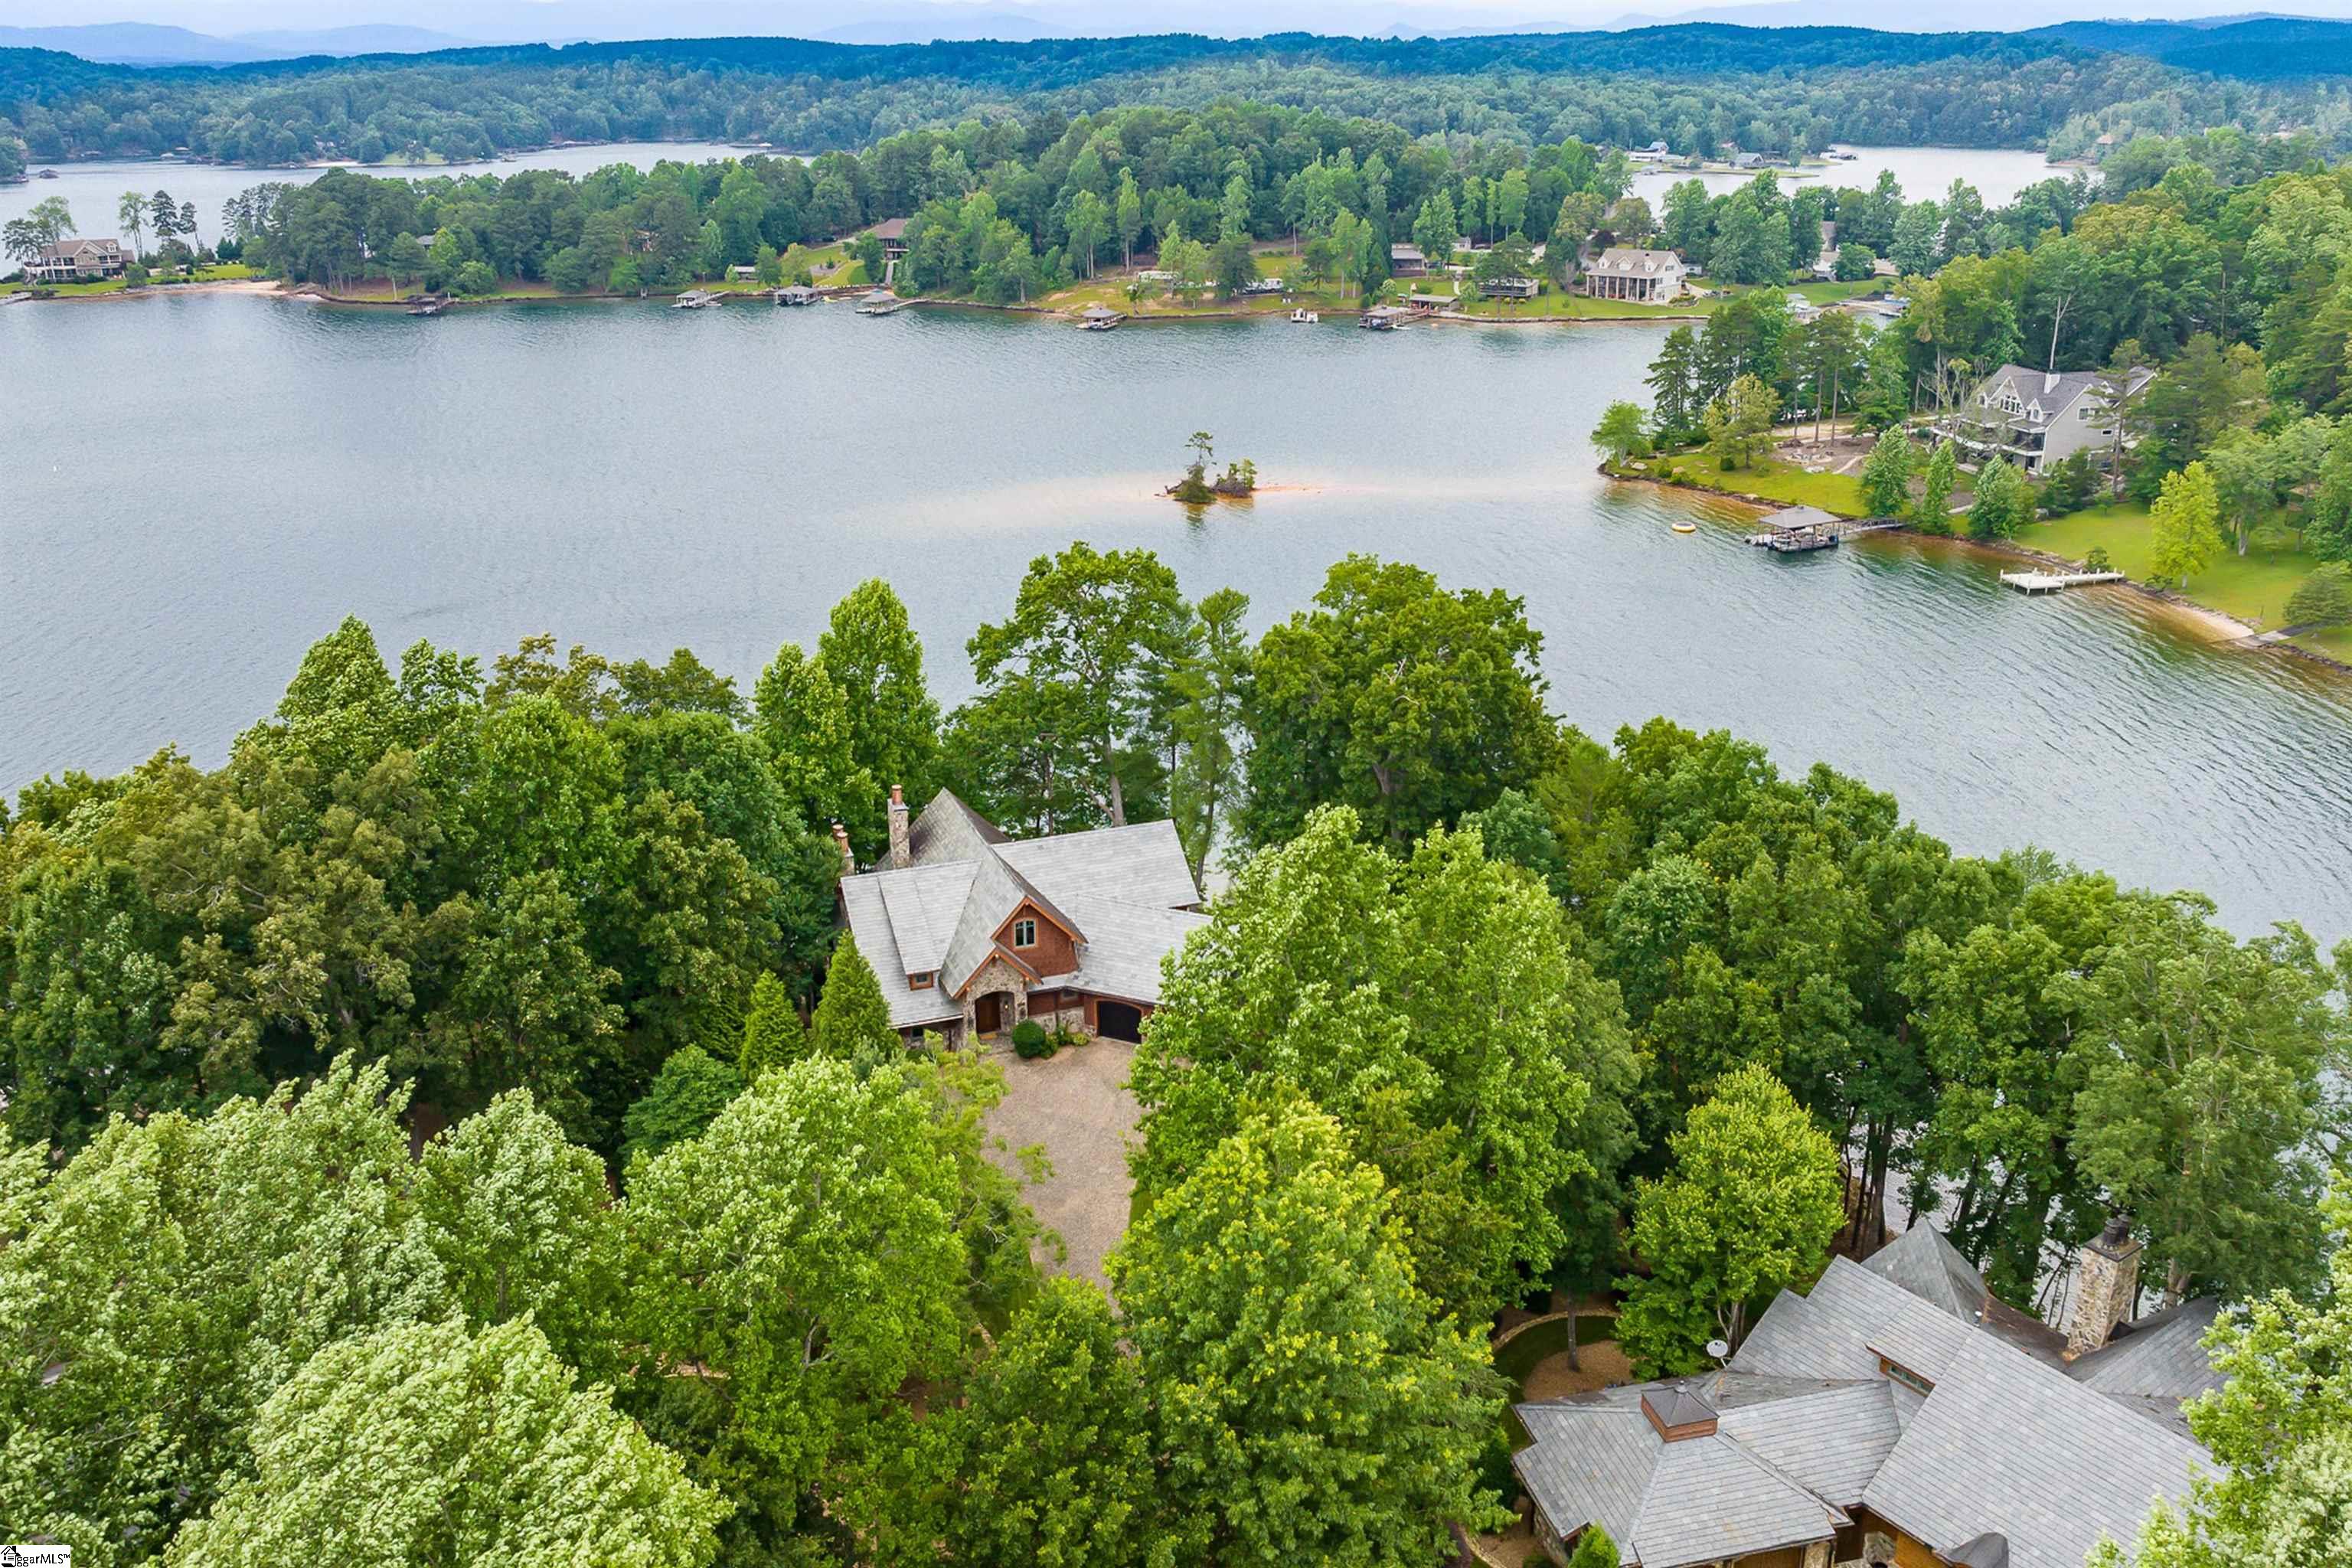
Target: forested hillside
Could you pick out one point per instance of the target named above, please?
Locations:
(1690, 85)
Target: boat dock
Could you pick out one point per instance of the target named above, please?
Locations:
(882, 302)
(2051, 582)
(1803, 528)
(697, 300)
(1099, 319)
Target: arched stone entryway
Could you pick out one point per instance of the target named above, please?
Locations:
(995, 999)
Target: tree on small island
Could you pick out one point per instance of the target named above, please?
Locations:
(1196, 488)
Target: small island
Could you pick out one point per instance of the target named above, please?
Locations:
(1238, 482)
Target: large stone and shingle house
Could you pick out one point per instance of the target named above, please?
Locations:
(1896, 1414)
(970, 931)
(76, 260)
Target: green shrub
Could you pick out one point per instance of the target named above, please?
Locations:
(1030, 1039)
(1066, 1039)
(1593, 1550)
(2097, 560)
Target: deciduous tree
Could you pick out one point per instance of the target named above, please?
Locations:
(1749, 1207)
(428, 1443)
(1310, 1405)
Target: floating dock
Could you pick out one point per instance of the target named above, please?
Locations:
(2051, 582)
(697, 300)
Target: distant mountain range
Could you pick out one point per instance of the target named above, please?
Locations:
(146, 44)
(2227, 45)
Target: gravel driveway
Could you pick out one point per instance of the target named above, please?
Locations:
(1075, 1103)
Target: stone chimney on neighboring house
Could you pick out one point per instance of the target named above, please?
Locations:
(848, 860)
(2107, 1289)
(902, 848)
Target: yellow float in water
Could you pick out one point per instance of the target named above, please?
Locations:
(1686, 528)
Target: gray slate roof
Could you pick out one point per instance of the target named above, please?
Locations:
(2156, 1365)
(1598, 1460)
(2008, 1441)
(2006, 1444)
(1122, 891)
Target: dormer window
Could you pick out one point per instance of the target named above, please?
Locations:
(922, 982)
(1025, 933)
(1895, 1370)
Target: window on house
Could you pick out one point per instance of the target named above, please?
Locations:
(1904, 1375)
(920, 982)
(1025, 933)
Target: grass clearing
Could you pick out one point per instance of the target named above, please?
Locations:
(2253, 587)
(1840, 494)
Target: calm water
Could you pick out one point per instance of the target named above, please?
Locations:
(91, 191)
(1923, 172)
(633, 477)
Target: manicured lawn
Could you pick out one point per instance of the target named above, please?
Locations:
(2253, 587)
(1767, 480)
(1836, 293)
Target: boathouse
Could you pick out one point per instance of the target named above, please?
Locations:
(1383, 318)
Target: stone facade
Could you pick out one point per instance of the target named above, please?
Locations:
(997, 974)
(2107, 1289)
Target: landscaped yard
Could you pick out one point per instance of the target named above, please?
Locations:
(2253, 587)
(1764, 480)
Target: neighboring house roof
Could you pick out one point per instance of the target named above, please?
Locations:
(1782, 1453)
(2005, 1450)
(1123, 894)
(71, 249)
(889, 228)
(1625, 261)
(2053, 393)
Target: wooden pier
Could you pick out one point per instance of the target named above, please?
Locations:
(2051, 582)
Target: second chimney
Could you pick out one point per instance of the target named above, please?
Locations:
(848, 860)
(2105, 1290)
(902, 848)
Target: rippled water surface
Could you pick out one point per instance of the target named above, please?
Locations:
(216, 480)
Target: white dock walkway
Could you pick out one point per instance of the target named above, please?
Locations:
(2051, 582)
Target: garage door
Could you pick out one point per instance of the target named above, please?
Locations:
(1120, 1020)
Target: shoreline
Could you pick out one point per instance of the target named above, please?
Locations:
(2228, 632)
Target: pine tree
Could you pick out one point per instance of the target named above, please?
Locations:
(772, 1036)
(1887, 474)
(1935, 501)
(853, 1021)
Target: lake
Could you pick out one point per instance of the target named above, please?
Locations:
(1998, 174)
(91, 191)
(220, 479)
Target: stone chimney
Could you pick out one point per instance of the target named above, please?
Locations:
(2105, 1290)
(902, 848)
(848, 860)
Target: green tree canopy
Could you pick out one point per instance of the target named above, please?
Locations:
(795, 1265)
(1392, 696)
(1749, 1208)
(427, 1442)
(1332, 969)
(1311, 1407)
